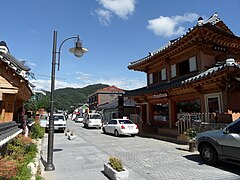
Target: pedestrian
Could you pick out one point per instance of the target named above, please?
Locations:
(22, 119)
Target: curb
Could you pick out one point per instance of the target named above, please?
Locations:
(36, 166)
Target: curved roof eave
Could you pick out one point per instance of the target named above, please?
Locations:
(214, 20)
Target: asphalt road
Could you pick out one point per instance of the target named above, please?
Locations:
(155, 159)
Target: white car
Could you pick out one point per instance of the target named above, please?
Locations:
(79, 118)
(120, 127)
(59, 122)
(92, 120)
(220, 145)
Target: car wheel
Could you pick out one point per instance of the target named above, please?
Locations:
(208, 154)
(133, 135)
(104, 131)
(116, 133)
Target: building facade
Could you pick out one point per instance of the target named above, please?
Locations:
(103, 96)
(14, 91)
(119, 108)
(196, 75)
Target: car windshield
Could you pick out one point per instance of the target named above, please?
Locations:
(56, 118)
(125, 122)
(95, 116)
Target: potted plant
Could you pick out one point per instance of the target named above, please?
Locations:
(191, 133)
(114, 169)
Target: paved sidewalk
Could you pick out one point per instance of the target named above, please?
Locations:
(76, 159)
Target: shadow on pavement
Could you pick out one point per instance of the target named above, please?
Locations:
(44, 163)
(233, 168)
(105, 175)
(57, 150)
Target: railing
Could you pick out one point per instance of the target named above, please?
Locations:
(201, 121)
(192, 120)
(137, 120)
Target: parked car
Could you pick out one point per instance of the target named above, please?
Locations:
(220, 145)
(120, 127)
(79, 118)
(59, 122)
(92, 120)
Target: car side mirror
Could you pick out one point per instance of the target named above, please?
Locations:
(226, 131)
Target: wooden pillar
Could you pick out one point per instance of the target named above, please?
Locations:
(8, 107)
(170, 113)
(148, 113)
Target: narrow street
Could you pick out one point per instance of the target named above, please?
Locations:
(154, 159)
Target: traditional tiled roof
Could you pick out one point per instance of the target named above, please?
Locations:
(18, 67)
(12, 62)
(218, 67)
(214, 20)
(184, 80)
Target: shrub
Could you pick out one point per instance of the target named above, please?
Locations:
(116, 163)
(191, 133)
(22, 151)
(8, 168)
(37, 131)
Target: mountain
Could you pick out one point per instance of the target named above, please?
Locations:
(67, 97)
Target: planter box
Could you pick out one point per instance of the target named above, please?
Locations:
(113, 174)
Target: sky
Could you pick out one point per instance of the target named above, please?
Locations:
(115, 32)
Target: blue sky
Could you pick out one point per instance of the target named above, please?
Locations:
(115, 32)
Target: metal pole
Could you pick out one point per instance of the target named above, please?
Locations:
(49, 166)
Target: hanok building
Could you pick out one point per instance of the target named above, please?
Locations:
(197, 74)
(14, 91)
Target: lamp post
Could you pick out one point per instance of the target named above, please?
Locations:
(78, 51)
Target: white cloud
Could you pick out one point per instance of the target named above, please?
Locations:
(87, 78)
(170, 26)
(104, 16)
(121, 8)
(121, 82)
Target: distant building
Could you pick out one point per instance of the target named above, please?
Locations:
(119, 108)
(103, 96)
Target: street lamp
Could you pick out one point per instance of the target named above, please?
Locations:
(78, 51)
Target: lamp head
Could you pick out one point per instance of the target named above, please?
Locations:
(78, 50)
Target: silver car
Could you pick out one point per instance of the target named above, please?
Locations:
(220, 145)
(92, 120)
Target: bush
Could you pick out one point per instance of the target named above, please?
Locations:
(8, 168)
(37, 131)
(191, 133)
(116, 163)
(22, 151)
